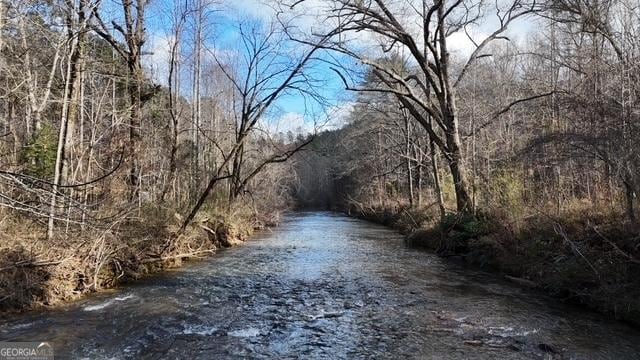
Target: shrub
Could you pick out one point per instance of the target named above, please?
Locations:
(40, 153)
(506, 189)
(472, 226)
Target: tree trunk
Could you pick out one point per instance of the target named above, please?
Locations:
(196, 98)
(629, 198)
(420, 164)
(436, 179)
(457, 168)
(76, 34)
(174, 99)
(135, 95)
(2, 24)
(62, 141)
(236, 173)
(450, 120)
(407, 154)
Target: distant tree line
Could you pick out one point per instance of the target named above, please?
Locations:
(545, 125)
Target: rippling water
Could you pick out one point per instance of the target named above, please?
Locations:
(325, 286)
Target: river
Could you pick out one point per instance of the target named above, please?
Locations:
(323, 285)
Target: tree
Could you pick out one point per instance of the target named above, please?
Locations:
(133, 32)
(604, 54)
(267, 72)
(77, 15)
(430, 92)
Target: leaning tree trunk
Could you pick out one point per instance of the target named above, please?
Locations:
(235, 188)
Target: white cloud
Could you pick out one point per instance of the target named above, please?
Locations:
(157, 62)
(252, 8)
(297, 124)
(460, 44)
(289, 122)
(338, 116)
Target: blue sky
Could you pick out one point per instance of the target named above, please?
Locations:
(221, 35)
(293, 111)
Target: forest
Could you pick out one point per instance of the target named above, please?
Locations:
(136, 134)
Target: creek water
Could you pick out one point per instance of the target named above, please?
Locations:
(322, 285)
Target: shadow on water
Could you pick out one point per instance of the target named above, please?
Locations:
(325, 286)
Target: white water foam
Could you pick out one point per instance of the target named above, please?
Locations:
(250, 332)
(108, 303)
(509, 331)
(199, 330)
(21, 326)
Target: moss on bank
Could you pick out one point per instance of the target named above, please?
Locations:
(593, 262)
(35, 272)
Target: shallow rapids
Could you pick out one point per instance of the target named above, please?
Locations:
(322, 285)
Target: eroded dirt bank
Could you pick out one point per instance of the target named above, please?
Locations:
(35, 273)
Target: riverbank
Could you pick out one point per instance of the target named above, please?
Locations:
(35, 272)
(589, 261)
(324, 286)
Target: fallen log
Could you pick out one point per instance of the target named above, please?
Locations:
(186, 255)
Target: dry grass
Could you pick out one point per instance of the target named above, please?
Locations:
(584, 253)
(36, 272)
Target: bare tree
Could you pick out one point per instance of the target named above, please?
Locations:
(259, 81)
(133, 32)
(431, 91)
(38, 93)
(77, 15)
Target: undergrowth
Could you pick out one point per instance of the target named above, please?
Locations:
(591, 258)
(38, 272)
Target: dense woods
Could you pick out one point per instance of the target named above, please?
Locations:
(518, 151)
(522, 156)
(111, 167)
